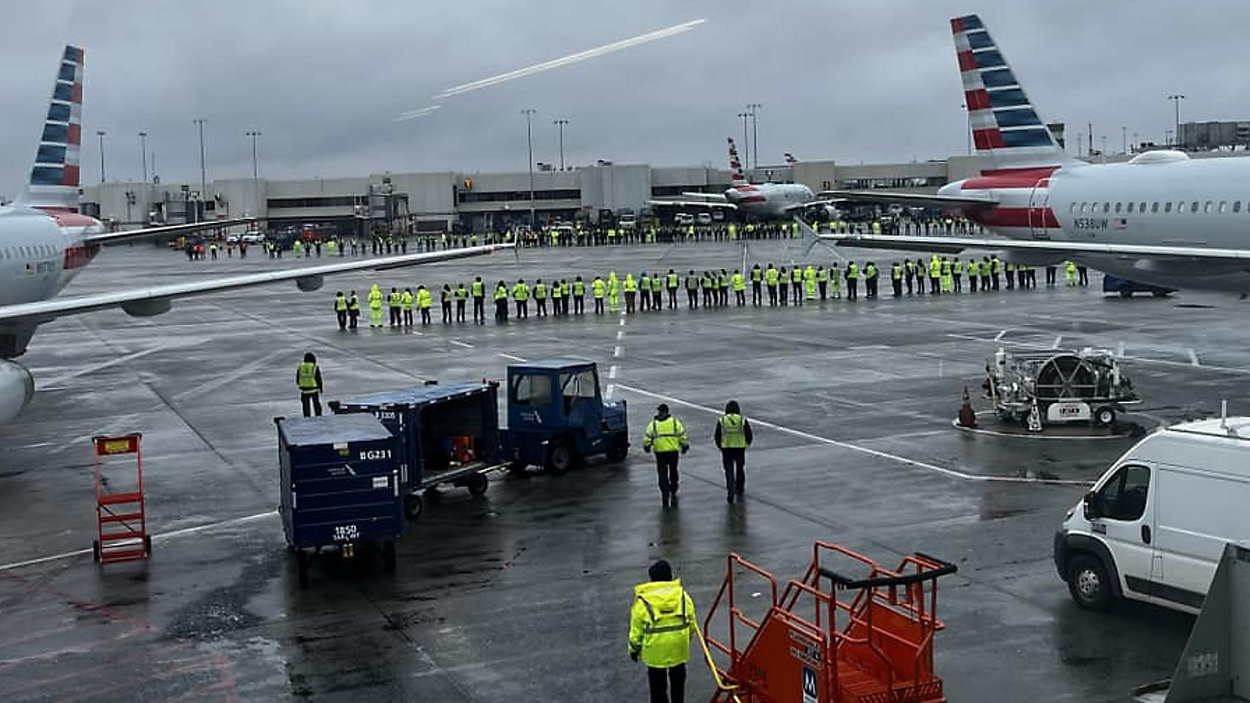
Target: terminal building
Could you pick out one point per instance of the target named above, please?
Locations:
(452, 201)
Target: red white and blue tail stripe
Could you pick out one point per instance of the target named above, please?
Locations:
(736, 175)
(1006, 130)
(54, 180)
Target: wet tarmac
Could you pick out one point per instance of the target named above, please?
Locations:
(523, 594)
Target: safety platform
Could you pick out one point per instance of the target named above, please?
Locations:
(121, 515)
(848, 631)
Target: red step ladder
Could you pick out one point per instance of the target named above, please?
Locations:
(122, 526)
(858, 634)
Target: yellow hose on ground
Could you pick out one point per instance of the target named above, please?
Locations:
(721, 686)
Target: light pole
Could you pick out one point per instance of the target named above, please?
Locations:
(1176, 99)
(746, 143)
(754, 108)
(560, 124)
(143, 153)
(1123, 139)
(203, 178)
(253, 134)
(529, 141)
(100, 134)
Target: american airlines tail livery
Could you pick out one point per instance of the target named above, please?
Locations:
(45, 241)
(1160, 218)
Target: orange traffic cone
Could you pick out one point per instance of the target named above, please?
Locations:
(967, 417)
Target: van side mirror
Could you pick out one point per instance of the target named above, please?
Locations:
(1093, 505)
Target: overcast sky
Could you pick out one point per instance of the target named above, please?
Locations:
(323, 80)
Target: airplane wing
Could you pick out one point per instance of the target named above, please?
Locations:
(154, 300)
(918, 199)
(710, 197)
(692, 204)
(124, 235)
(942, 244)
(822, 202)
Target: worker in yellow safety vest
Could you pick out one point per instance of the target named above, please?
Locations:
(405, 304)
(375, 306)
(661, 623)
(598, 289)
(631, 290)
(424, 301)
(308, 379)
(809, 282)
(667, 437)
(393, 305)
(740, 288)
(340, 309)
(353, 310)
(733, 436)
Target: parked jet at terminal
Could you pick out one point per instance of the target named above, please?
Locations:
(1160, 218)
(770, 201)
(45, 241)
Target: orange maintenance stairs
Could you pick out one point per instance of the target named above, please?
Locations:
(849, 631)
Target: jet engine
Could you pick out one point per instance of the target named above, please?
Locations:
(17, 387)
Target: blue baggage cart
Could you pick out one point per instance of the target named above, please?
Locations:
(340, 487)
(447, 435)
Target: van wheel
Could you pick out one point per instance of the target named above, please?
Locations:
(1126, 292)
(1104, 416)
(413, 506)
(618, 453)
(561, 457)
(1088, 583)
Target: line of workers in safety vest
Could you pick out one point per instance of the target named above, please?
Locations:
(647, 292)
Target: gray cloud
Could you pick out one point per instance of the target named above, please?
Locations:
(323, 80)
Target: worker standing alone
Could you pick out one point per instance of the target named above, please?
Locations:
(733, 436)
(661, 622)
(308, 379)
(666, 436)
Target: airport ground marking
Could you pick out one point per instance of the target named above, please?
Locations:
(1000, 335)
(1055, 344)
(51, 383)
(161, 536)
(933, 468)
(1193, 357)
(1141, 359)
(231, 377)
(512, 357)
(459, 343)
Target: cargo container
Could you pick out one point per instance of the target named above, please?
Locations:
(340, 487)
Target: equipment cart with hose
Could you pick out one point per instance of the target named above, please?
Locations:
(1063, 386)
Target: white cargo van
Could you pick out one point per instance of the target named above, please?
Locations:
(1154, 526)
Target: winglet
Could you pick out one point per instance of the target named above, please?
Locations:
(737, 177)
(54, 180)
(1005, 127)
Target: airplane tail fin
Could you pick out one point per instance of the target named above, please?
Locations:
(790, 160)
(1006, 130)
(54, 179)
(735, 166)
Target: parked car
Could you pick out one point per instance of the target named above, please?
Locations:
(704, 218)
(1126, 288)
(252, 237)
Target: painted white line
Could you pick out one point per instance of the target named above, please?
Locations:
(622, 319)
(230, 377)
(620, 335)
(156, 537)
(459, 343)
(998, 337)
(1055, 344)
(99, 367)
(950, 473)
(1193, 357)
(612, 371)
(513, 358)
(616, 353)
(607, 393)
(1120, 350)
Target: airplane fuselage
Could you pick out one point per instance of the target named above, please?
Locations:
(768, 200)
(1163, 199)
(41, 252)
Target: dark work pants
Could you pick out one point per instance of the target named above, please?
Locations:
(479, 309)
(342, 315)
(661, 680)
(310, 402)
(756, 296)
(734, 462)
(666, 468)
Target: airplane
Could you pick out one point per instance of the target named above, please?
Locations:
(45, 242)
(1160, 218)
(769, 201)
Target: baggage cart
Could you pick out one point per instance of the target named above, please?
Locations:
(448, 435)
(340, 487)
(121, 515)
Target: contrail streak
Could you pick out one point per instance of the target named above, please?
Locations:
(572, 58)
(413, 114)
